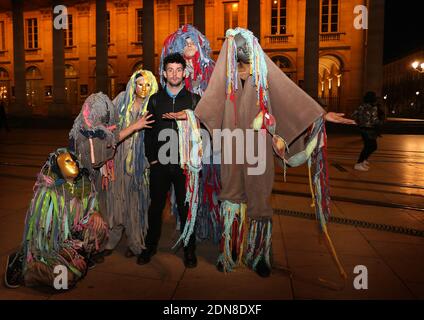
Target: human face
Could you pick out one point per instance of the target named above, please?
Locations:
(243, 53)
(190, 48)
(142, 88)
(173, 74)
(68, 167)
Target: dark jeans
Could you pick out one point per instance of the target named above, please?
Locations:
(369, 137)
(161, 177)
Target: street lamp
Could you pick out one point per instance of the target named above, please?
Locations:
(418, 66)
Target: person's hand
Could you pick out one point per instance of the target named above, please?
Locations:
(175, 115)
(338, 118)
(143, 122)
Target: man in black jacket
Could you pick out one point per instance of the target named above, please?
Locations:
(173, 98)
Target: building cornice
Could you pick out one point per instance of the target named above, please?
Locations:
(121, 6)
(335, 48)
(46, 13)
(83, 9)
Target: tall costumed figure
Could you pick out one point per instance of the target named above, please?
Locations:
(128, 197)
(196, 50)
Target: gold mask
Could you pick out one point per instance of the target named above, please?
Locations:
(143, 87)
(68, 167)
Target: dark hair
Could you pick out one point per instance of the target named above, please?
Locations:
(370, 97)
(174, 58)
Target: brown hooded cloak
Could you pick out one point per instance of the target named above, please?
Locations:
(294, 111)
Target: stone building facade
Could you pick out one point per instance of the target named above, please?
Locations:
(46, 71)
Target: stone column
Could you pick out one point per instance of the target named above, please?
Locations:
(122, 44)
(85, 71)
(312, 48)
(148, 35)
(254, 17)
(20, 104)
(101, 47)
(199, 15)
(374, 47)
(59, 101)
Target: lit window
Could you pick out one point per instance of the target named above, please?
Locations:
(185, 15)
(32, 33)
(2, 36)
(329, 16)
(69, 33)
(108, 26)
(139, 25)
(230, 15)
(278, 16)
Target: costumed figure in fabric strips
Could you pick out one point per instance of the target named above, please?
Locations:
(128, 197)
(191, 152)
(63, 226)
(249, 93)
(196, 50)
(94, 138)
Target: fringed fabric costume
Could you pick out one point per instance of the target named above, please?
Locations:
(199, 67)
(128, 197)
(59, 229)
(267, 101)
(191, 152)
(93, 138)
(198, 72)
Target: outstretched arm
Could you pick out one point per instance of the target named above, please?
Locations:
(338, 118)
(330, 116)
(175, 115)
(140, 124)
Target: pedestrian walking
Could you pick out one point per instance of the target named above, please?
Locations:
(369, 118)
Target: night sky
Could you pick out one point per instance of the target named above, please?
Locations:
(403, 29)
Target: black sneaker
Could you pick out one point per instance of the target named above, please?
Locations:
(262, 269)
(106, 252)
(190, 259)
(98, 258)
(146, 255)
(91, 264)
(13, 277)
(220, 267)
